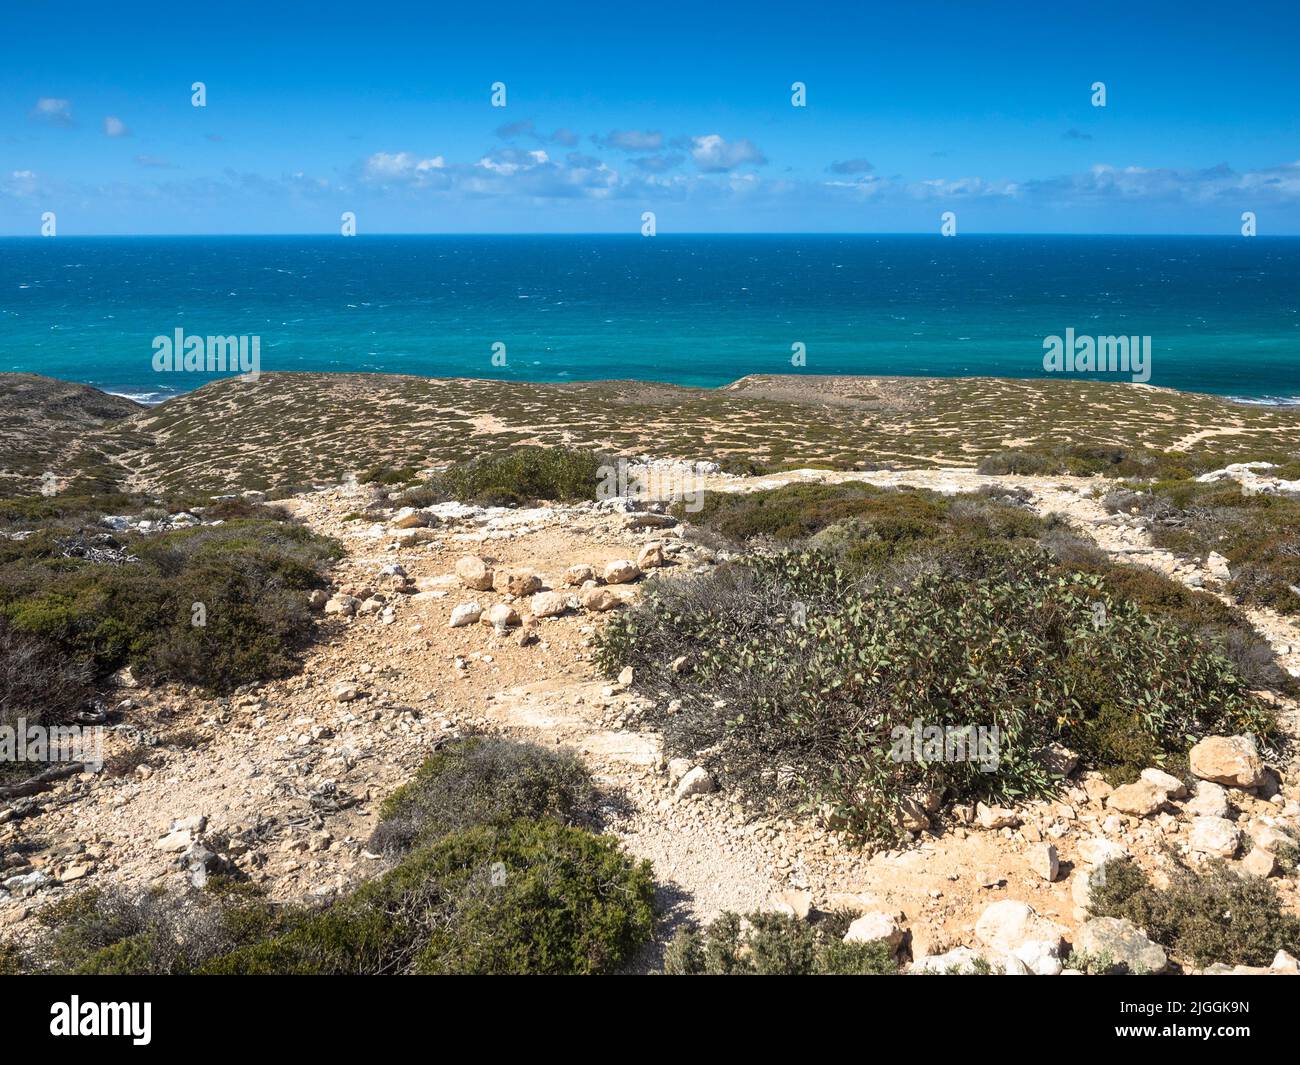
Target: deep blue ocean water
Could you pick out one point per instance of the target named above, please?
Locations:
(1223, 313)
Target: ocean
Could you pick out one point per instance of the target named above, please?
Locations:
(1223, 314)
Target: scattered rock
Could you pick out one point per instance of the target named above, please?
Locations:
(877, 927)
(1217, 566)
(1166, 782)
(1044, 861)
(622, 571)
(695, 782)
(793, 903)
(1230, 760)
(516, 584)
(1141, 798)
(1117, 939)
(1098, 850)
(1259, 862)
(549, 604)
(651, 556)
(465, 614)
(1215, 836)
(474, 573)
(409, 518)
(992, 818)
(598, 599)
(1211, 800)
(577, 576)
(1010, 923)
(501, 616)
(342, 604)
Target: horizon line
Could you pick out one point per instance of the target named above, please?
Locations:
(639, 236)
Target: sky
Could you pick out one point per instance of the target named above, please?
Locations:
(612, 110)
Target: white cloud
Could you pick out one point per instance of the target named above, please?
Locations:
(53, 110)
(631, 140)
(400, 166)
(115, 127)
(712, 153)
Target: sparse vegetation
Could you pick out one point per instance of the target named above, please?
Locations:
(770, 944)
(482, 780)
(495, 885)
(1204, 916)
(213, 605)
(518, 476)
(805, 664)
(1259, 533)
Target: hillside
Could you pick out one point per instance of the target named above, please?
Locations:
(292, 430)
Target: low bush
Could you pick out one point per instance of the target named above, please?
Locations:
(521, 475)
(1204, 916)
(113, 931)
(769, 944)
(493, 884)
(217, 606)
(805, 679)
(482, 780)
(532, 897)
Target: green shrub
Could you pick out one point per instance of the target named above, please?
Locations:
(483, 780)
(533, 897)
(770, 944)
(522, 475)
(114, 931)
(804, 678)
(250, 575)
(1205, 916)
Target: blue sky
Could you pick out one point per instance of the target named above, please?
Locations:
(683, 109)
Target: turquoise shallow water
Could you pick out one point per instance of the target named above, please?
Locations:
(1223, 313)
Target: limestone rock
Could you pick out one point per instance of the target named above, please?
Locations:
(1259, 862)
(1010, 923)
(598, 599)
(1211, 800)
(1215, 836)
(622, 571)
(696, 782)
(1141, 799)
(651, 556)
(876, 927)
(549, 604)
(793, 903)
(1230, 760)
(577, 576)
(1044, 861)
(516, 584)
(501, 616)
(1119, 940)
(1098, 850)
(1166, 782)
(995, 817)
(474, 573)
(465, 614)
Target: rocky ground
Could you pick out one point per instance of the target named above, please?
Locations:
(458, 618)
